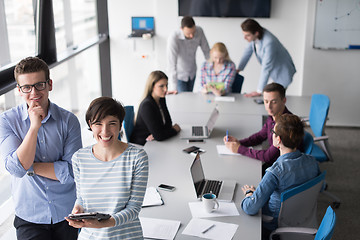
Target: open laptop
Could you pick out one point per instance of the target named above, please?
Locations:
(223, 189)
(200, 132)
(142, 25)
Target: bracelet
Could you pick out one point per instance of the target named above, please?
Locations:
(249, 191)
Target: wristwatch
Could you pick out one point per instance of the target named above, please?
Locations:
(249, 191)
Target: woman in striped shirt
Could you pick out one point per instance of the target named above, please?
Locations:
(110, 176)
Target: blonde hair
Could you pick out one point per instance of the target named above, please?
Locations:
(220, 47)
(153, 78)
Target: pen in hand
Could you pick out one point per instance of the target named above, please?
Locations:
(206, 230)
(227, 135)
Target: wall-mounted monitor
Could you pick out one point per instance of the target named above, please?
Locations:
(142, 25)
(225, 8)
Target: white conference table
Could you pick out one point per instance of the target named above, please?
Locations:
(189, 102)
(168, 164)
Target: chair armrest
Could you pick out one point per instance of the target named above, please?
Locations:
(305, 119)
(322, 138)
(266, 218)
(295, 230)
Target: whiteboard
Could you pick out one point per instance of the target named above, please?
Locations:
(337, 24)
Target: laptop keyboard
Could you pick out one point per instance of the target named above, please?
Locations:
(197, 131)
(213, 186)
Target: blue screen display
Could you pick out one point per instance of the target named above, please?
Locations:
(142, 23)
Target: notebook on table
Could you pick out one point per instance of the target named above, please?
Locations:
(223, 189)
(200, 132)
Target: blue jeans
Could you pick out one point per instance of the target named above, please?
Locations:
(183, 86)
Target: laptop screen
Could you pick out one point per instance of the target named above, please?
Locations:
(197, 173)
(214, 116)
(143, 24)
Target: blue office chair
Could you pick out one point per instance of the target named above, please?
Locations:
(312, 149)
(319, 110)
(237, 84)
(299, 204)
(128, 123)
(324, 232)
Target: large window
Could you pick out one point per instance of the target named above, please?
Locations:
(72, 37)
(75, 23)
(17, 30)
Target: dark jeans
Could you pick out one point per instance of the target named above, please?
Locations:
(31, 231)
(183, 86)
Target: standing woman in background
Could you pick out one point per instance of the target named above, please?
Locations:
(153, 119)
(218, 69)
(110, 177)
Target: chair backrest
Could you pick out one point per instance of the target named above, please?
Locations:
(319, 109)
(129, 121)
(237, 84)
(299, 204)
(327, 225)
(310, 148)
(308, 143)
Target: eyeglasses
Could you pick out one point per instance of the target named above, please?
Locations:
(28, 88)
(273, 132)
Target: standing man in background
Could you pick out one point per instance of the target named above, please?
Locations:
(37, 141)
(181, 51)
(275, 60)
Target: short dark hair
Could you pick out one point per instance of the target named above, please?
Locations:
(252, 26)
(102, 107)
(290, 129)
(275, 87)
(31, 65)
(188, 22)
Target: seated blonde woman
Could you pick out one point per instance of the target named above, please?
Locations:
(218, 73)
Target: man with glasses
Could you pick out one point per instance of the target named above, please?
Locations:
(38, 139)
(274, 101)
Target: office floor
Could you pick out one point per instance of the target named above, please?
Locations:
(343, 181)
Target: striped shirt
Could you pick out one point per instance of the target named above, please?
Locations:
(116, 187)
(226, 75)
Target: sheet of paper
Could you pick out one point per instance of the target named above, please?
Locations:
(223, 150)
(225, 99)
(159, 228)
(152, 197)
(220, 230)
(225, 209)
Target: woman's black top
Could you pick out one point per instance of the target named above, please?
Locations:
(150, 121)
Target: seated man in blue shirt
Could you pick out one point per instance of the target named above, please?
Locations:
(38, 139)
(291, 169)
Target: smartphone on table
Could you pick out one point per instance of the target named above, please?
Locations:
(166, 187)
(193, 150)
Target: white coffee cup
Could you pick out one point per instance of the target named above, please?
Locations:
(210, 203)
